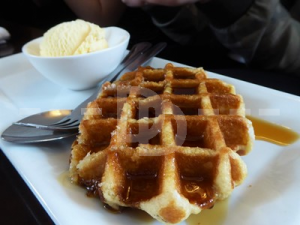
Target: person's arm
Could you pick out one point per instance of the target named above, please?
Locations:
(265, 35)
(184, 23)
(261, 32)
(101, 12)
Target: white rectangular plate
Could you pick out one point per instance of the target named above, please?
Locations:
(269, 195)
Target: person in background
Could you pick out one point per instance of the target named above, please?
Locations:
(259, 33)
(40, 14)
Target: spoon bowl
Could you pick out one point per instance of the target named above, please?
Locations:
(22, 134)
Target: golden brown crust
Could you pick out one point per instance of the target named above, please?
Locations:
(166, 141)
(172, 214)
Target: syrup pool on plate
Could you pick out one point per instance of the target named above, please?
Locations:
(213, 216)
(273, 133)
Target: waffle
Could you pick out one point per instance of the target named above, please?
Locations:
(167, 141)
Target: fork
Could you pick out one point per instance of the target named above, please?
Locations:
(139, 55)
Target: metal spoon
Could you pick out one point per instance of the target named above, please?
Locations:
(29, 134)
(21, 134)
(141, 54)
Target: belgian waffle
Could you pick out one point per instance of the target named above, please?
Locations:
(167, 141)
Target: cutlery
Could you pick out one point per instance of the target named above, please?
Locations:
(72, 121)
(56, 130)
(22, 134)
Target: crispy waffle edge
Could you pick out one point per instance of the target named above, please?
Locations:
(168, 141)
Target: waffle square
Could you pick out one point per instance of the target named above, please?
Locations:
(167, 141)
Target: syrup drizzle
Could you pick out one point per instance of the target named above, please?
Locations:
(213, 216)
(65, 180)
(273, 133)
(264, 130)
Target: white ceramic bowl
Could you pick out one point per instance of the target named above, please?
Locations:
(84, 71)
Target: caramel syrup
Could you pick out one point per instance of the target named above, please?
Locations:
(66, 182)
(140, 216)
(264, 130)
(273, 133)
(213, 216)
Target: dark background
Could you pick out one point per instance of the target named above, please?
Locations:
(43, 14)
(40, 15)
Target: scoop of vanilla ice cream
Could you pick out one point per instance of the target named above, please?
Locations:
(73, 38)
